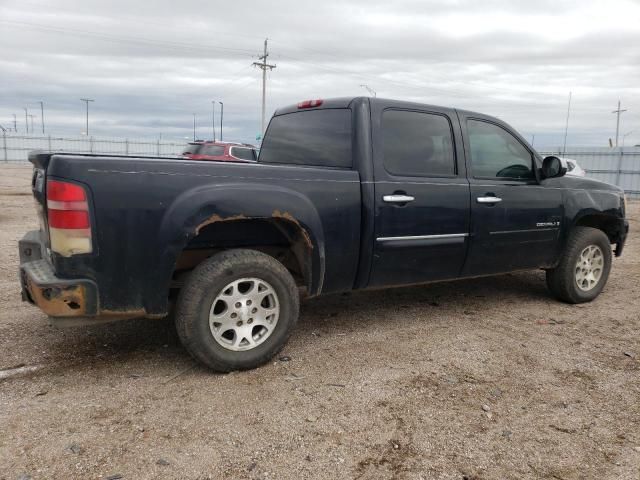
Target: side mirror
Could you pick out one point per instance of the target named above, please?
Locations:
(553, 167)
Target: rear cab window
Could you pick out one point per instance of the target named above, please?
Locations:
(320, 138)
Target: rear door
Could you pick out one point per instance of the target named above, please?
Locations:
(421, 195)
(515, 220)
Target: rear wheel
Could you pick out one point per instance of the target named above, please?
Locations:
(584, 268)
(236, 310)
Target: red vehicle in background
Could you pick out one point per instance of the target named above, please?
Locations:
(220, 151)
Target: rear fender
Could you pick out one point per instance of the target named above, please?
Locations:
(201, 206)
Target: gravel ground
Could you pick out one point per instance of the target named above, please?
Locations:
(486, 379)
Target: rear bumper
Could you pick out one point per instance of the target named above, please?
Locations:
(57, 297)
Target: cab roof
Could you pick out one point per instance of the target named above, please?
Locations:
(347, 102)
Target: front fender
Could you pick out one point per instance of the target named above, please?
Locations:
(200, 206)
(580, 204)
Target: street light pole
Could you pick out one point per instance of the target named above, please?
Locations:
(26, 119)
(31, 117)
(42, 114)
(86, 101)
(221, 118)
(194, 127)
(15, 123)
(213, 119)
(625, 135)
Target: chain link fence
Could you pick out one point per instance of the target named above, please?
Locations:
(16, 148)
(619, 166)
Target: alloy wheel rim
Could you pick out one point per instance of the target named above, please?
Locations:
(244, 314)
(589, 266)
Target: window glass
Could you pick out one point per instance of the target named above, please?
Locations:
(417, 144)
(191, 148)
(312, 137)
(497, 153)
(213, 150)
(243, 153)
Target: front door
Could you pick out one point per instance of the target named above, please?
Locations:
(421, 195)
(515, 221)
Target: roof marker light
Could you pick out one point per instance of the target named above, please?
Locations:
(310, 103)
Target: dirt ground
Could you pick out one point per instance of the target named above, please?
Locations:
(486, 379)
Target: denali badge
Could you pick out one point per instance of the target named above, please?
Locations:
(548, 224)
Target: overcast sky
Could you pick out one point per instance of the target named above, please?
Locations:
(150, 65)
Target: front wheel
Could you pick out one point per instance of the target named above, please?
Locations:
(584, 268)
(236, 310)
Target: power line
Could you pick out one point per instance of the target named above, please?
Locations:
(136, 20)
(128, 39)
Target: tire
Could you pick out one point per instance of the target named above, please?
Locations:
(567, 281)
(208, 317)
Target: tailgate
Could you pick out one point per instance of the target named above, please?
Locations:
(38, 183)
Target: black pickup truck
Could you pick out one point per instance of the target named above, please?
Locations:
(347, 194)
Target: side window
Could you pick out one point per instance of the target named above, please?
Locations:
(495, 153)
(417, 144)
(212, 150)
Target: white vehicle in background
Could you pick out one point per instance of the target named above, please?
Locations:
(573, 168)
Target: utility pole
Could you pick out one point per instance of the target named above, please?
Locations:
(194, 127)
(618, 112)
(263, 66)
(221, 118)
(26, 119)
(213, 119)
(42, 114)
(15, 123)
(370, 90)
(566, 127)
(86, 101)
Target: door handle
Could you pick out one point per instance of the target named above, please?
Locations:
(398, 198)
(488, 199)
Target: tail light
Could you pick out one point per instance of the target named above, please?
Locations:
(68, 218)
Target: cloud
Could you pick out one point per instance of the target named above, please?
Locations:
(150, 65)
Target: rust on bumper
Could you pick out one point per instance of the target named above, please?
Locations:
(62, 301)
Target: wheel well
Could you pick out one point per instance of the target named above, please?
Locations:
(608, 224)
(280, 238)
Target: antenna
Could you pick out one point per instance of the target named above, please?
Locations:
(566, 127)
